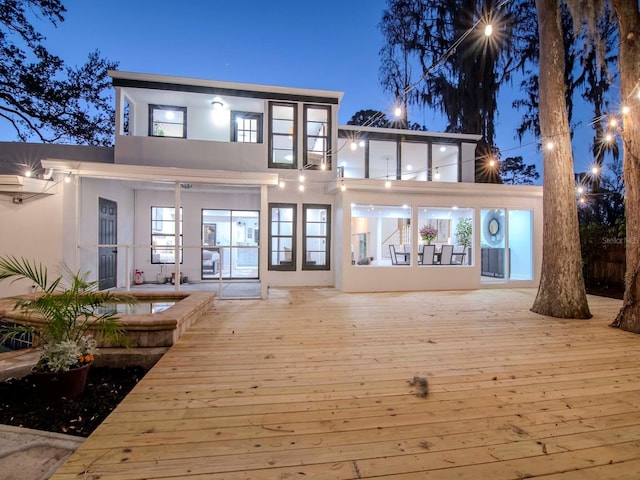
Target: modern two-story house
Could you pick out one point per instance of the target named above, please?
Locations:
(216, 181)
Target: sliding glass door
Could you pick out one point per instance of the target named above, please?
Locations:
(230, 241)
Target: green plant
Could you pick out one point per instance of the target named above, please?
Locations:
(463, 231)
(63, 315)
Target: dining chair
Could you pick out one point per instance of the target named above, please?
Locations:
(446, 255)
(392, 252)
(459, 254)
(428, 252)
(394, 256)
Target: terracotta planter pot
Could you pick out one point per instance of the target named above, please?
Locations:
(62, 384)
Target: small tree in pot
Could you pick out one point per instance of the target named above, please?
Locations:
(64, 317)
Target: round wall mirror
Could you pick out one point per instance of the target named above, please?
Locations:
(494, 226)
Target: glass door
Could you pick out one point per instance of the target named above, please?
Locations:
(230, 242)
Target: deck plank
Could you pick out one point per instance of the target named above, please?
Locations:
(314, 383)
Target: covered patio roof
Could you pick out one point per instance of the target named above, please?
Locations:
(173, 175)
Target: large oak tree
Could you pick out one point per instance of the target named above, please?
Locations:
(561, 292)
(42, 98)
(627, 14)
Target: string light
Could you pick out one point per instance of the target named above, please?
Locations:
(343, 187)
(281, 184)
(67, 178)
(27, 173)
(437, 174)
(488, 30)
(594, 170)
(354, 145)
(550, 145)
(625, 110)
(387, 184)
(397, 111)
(301, 187)
(301, 178)
(492, 163)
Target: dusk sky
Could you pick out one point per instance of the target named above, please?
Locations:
(330, 45)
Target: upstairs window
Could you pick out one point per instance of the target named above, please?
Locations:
(283, 138)
(317, 135)
(167, 121)
(246, 127)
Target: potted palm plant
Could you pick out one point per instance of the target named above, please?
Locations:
(65, 317)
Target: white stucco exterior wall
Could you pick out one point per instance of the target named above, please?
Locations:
(33, 230)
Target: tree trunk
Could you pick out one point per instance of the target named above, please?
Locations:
(628, 15)
(561, 292)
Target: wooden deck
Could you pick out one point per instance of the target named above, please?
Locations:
(313, 383)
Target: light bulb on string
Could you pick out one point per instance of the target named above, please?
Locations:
(580, 189)
(613, 123)
(343, 187)
(549, 145)
(323, 166)
(301, 187)
(437, 174)
(387, 184)
(582, 200)
(361, 144)
(301, 178)
(353, 145)
(492, 163)
(625, 110)
(67, 178)
(488, 30)
(27, 173)
(594, 170)
(281, 184)
(397, 112)
(608, 138)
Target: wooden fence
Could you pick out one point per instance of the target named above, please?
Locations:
(608, 266)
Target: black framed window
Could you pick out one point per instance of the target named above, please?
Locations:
(282, 236)
(317, 137)
(167, 121)
(283, 136)
(246, 127)
(316, 237)
(163, 237)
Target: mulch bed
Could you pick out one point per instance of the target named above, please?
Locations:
(106, 387)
